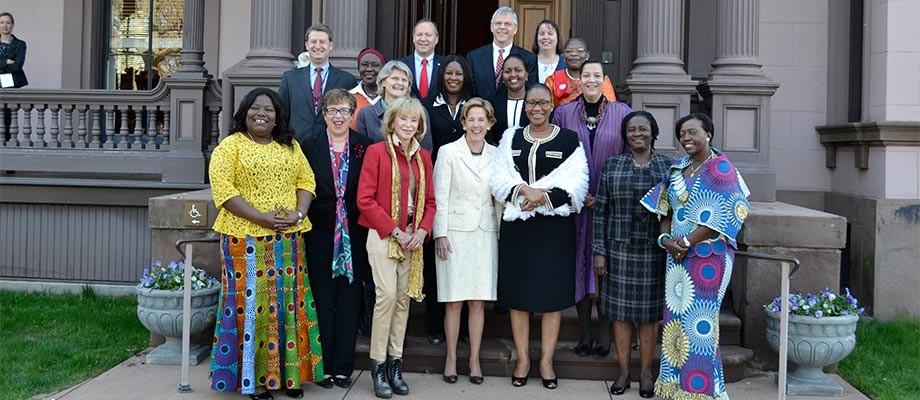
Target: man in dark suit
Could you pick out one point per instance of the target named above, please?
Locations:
(423, 61)
(486, 61)
(302, 88)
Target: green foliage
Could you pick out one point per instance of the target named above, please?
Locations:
(886, 362)
(50, 342)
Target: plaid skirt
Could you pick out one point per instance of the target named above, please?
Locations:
(266, 334)
(633, 289)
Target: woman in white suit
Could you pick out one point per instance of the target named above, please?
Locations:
(466, 232)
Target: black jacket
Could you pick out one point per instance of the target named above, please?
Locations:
(484, 72)
(444, 128)
(295, 91)
(500, 105)
(323, 208)
(15, 51)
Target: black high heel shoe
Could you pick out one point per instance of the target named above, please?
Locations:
(518, 382)
(450, 378)
(646, 393)
(294, 393)
(550, 383)
(617, 390)
(476, 380)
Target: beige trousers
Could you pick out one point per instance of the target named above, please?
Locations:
(391, 312)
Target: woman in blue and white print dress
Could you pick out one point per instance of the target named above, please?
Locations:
(702, 203)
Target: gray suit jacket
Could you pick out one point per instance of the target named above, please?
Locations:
(370, 118)
(297, 93)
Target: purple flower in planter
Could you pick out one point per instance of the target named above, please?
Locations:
(819, 314)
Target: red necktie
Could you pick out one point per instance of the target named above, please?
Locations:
(498, 66)
(318, 88)
(423, 80)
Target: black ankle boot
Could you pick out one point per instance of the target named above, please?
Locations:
(381, 384)
(394, 375)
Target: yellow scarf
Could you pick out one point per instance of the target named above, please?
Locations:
(396, 252)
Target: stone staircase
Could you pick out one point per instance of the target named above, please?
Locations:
(498, 356)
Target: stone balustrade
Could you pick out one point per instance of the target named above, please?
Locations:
(107, 131)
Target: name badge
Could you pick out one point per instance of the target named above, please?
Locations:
(554, 154)
(515, 153)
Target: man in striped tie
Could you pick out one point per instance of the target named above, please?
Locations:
(487, 61)
(302, 88)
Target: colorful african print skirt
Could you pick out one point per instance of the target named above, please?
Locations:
(691, 362)
(266, 334)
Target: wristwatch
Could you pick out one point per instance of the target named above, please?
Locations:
(300, 217)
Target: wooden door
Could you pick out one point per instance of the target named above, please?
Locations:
(531, 12)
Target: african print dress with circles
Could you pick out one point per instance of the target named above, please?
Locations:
(691, 364)
(267, 333)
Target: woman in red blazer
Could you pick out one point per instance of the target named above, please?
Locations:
(396, 199)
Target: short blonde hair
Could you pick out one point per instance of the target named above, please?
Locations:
(405, 106)
(481, 103)
(388, 69)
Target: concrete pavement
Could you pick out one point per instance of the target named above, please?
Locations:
(133, 379)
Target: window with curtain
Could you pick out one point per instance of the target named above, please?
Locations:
(145, 38)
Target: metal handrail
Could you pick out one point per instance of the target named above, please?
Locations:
(184, 386)
(207, 238)
(785, 261)
(772, 257)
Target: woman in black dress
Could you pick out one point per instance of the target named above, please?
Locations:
(629, 265)
(456, 85)
(541, 174)
(336, 254)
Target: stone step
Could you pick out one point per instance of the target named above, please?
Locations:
(498, 326)
(498, 358)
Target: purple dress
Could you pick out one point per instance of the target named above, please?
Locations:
(608, 142)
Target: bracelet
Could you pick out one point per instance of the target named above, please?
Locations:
(686, 242)
(300, 217)
(662, 237)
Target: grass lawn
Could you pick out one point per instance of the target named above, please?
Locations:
(886, 362)
(49, 342)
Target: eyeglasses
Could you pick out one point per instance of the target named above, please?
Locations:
(579, 50)
(331, 112)
(541, 103)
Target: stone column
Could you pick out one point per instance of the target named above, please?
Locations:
(192, 54)
(660, 39)
(270, 34)
(348, 20)
(737, 38)
(187, 95)
(658, 82)
(269, 55)
(738, 96)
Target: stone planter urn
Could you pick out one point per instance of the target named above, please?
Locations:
(160, 311)
(814, 343)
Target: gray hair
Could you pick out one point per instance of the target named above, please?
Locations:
(387, 70)
(505, 11)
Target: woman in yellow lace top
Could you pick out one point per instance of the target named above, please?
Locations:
(263, 186)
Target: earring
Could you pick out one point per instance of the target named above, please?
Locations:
(707, 140)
